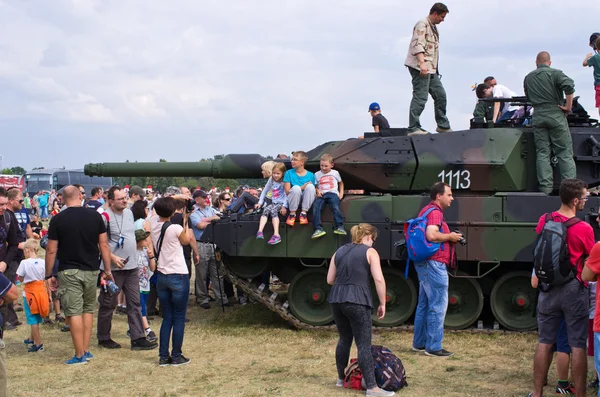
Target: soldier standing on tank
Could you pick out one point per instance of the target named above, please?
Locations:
(422, 62)
(544, 88)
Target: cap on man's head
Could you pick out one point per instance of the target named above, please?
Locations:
(136, 190)
(489, 78)
(199, 193)
(172, 190)
(374, 106)
(141, 234)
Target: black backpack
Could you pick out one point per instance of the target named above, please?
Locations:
(551, 258)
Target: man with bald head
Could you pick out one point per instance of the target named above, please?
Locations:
(546, 88)
(77, 236)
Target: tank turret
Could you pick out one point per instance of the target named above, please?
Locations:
(492, 172)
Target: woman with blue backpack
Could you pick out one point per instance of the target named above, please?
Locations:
(351, 302)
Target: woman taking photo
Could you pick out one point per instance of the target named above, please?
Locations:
(351, 302)
(173, 283)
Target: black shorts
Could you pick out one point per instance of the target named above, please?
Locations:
(570, 301)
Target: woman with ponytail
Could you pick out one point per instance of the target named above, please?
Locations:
(351, 301)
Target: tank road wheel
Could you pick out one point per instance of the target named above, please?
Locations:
(401, 299)
(245, 267)
(307, 296)
(513, 301)
(465, 302)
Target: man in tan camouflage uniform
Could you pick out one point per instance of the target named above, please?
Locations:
(422, 63)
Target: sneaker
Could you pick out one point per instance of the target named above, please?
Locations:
(28, 341)
(565, 390)
(205, 306)
(593, 384)
(442, 130)
(291, 219)
(418, 131)
(47, 320)
(181, 360)
(260, 236)
(151, 336)
(243, 300)
(18, 307)
(380, 393)
(59, 318)
(88, 355)
(40, 348)
(274, 240)
(65, 328)
(128, 333)
(303, 218)
(341, 231)
(143, 344)
(418, 349)
(318, 233)
(339, 383)
(163, 362)
(109, 344)
(76, 361)
(8, 326)
(439, 353)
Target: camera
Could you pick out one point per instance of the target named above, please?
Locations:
(463, 240)
(189, 205)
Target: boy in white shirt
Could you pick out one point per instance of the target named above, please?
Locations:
(36, 301)
(330, 190)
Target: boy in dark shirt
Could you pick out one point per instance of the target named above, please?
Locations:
(380, 123)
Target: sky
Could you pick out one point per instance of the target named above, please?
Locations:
(113, 80)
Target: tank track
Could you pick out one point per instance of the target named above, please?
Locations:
(271, 303)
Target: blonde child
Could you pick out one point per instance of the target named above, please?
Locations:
(330, 190)
(299, 185)
(146, 268)
(36, 301)
(278, 205)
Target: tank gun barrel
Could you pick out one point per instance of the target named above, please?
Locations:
(230, 166)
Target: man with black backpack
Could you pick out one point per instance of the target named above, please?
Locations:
(563, 244)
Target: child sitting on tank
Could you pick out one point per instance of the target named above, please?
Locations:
(502, 111)
(379, 122)
(299, 185)
(275, 189)
(330, 190)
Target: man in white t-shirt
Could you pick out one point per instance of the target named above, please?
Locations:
(502, 110)
(330, 190)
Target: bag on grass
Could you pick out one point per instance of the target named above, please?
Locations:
(353, 378)
(390, 374)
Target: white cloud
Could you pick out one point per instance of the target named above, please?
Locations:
(264, 76)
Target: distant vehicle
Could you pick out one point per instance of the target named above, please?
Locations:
(59, 178)
(8, 181)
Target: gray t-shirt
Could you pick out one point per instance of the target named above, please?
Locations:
(328, 183)
(122, 225)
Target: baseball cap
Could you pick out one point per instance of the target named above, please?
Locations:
(141, 234)
(374, 106)
(199, 193)
(136, 190)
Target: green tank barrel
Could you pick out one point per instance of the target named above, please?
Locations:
(230, 166)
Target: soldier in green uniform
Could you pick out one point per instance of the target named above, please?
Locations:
(544, 87)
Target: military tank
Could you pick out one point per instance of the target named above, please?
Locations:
(492, 173)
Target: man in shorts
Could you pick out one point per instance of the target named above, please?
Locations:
(570, 300)
(83, 236)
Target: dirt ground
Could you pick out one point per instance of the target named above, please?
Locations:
(249, 351)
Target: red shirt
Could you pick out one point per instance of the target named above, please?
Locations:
(580, 240)
(436, 217)
(593, 263)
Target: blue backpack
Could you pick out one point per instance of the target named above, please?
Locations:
(417, 245)
(389, 372)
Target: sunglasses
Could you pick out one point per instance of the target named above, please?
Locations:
(227, 199)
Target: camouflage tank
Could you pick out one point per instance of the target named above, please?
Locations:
(492, 173)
